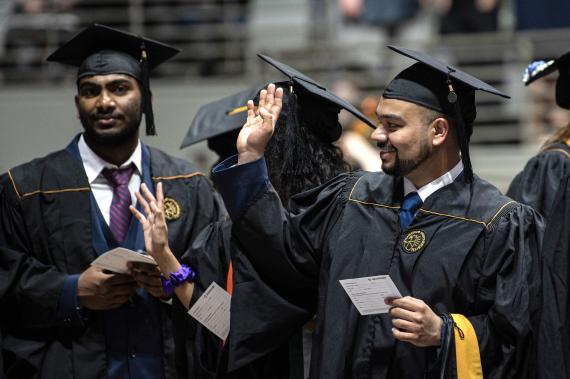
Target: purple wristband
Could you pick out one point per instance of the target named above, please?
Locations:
(184, 274)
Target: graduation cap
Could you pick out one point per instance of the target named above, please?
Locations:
(538, 69)
(219, 123)
(442, 88)
(310, 89)
(102, 50)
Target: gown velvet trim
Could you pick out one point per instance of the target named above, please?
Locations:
(184, 176)
(84, 189)
(43, 192)
(486, 224)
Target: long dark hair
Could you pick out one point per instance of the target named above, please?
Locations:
(298, 159)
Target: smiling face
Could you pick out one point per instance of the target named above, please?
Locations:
(403, 136)
(109, 107)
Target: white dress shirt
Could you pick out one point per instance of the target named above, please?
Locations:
(102, 190)
(434, 185)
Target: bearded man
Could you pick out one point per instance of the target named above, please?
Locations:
(465, 258)
(67, 319)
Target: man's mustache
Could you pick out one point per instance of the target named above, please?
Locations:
(385, 147)
(106, 116)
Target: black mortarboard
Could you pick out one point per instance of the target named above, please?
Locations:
(219, 121)
(442, 88)
(302, 82)
(101, 50)
(318, 108)
(219, 117)
(538, 69)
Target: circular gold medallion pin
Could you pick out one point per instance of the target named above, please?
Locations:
(414, 241)
(171, 209)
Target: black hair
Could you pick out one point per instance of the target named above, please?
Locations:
(429, 115)
(298, 160)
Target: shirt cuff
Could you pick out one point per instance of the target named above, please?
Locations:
(239, 184)
(69, 312)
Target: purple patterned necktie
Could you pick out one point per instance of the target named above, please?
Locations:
(120, 215)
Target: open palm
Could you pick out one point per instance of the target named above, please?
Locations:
(260, 124)
(153, 221)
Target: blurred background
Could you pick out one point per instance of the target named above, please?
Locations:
(340, 43)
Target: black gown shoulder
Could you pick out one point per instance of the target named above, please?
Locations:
(43, 175)
(537, 184)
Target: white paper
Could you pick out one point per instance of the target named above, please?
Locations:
(212, 310)
(368, 294)
(115, 260)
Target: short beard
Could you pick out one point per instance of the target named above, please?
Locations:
(110, 140)
(403, 167)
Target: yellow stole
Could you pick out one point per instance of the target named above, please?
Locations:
(467, 355)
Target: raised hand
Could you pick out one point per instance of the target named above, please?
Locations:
(153, 220)
(155, 231)
(156, 243)
(260, 124)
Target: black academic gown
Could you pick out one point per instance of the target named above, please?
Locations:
(211, 252)
(478, 257)
(13, 266)
(45, 214)
(537, 184)
(554, 331)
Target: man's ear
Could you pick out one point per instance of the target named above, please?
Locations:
(76, 98)
(441, 131)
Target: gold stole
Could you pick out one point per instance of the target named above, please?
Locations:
(467, 355)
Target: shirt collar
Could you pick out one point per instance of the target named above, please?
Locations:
(434, 185)
(94, 164)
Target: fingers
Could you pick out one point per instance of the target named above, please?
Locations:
(406, 326)
(144, 204)
(138, 214)
(153, 207)
(147, 194)
(413, 321)
(158, 207)
(278, 102)
(250, 110)
(270, 97)
(119, 280)
(159, 196)
(98, 270)
(150, 279)
(262, 98)
(409, 303)
(267, 117)
(109, 292)
(147, 281)
(158, 214)
(404, 336)
(404, 314)
(145, 268)
(272, 104)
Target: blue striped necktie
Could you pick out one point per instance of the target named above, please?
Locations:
(412, 202)
(120, 216)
